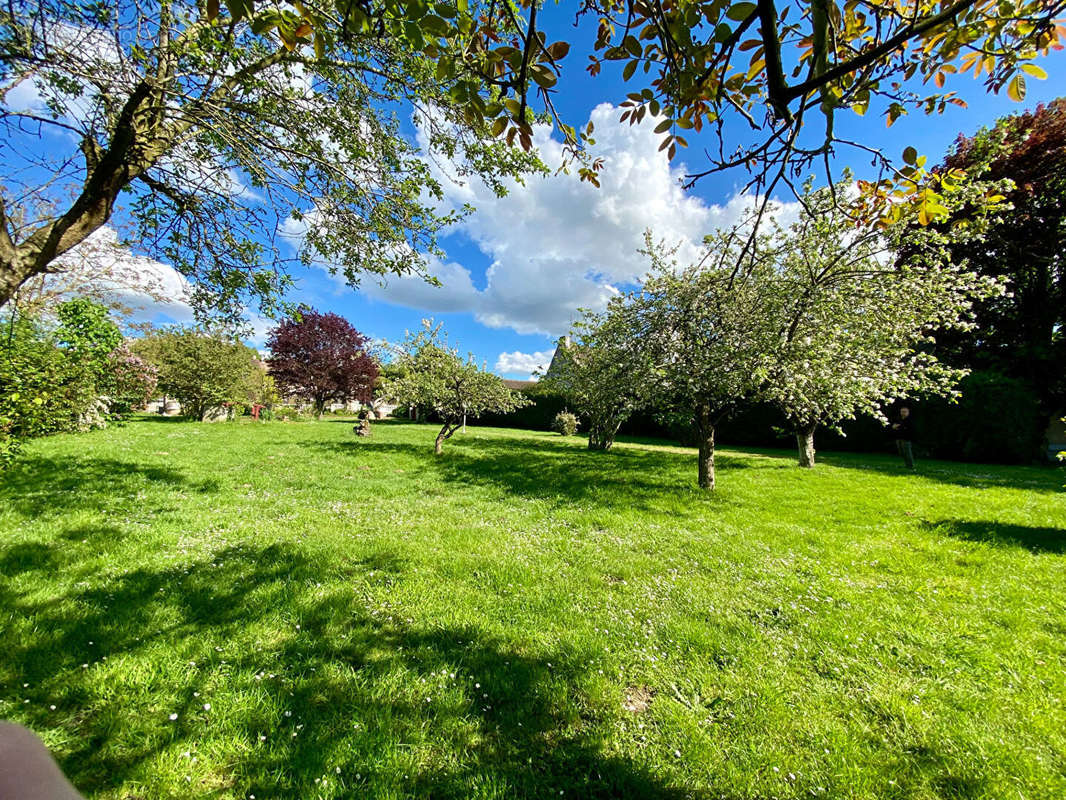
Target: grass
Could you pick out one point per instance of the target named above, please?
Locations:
(284, 611)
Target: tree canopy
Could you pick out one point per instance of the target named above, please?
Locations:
(321, 357)
(202, 369)
(1019, 333)
(602, 372)
(855, 309)
(234, 136)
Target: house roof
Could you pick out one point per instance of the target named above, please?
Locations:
(518, 385)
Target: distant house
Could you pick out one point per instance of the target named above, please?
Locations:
(518, 386)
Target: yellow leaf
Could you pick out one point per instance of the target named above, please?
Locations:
(1035, 71)
(1016, 89)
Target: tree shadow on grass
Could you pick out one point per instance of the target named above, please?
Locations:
(964, 474)
(50, 487)
(1002, 534)
(644, 478)
(374, 706)
(26, 557)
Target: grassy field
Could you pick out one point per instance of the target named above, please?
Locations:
(284, 611)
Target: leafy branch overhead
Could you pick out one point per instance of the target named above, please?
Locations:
(247, 137)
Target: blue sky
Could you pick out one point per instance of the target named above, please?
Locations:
(518, 268)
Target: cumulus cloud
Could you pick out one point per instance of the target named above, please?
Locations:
(557, 244)
(524, 364)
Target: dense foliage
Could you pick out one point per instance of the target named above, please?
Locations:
(430, 374)
(321, 358)
(43, 388)
(601, 372)
(1020, 334)
(856, 307)
(203, 370)
(130, 381)
(88, 333)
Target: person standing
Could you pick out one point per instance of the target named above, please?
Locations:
(903, 432)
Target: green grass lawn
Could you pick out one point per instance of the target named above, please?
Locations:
(284, 611)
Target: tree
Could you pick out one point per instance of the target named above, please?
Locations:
(321, 358)
(706, 334)
(1019, 333)
(731, 65)
(202, 369)
(602, 372)
(856, 311)
(130, 381)
(223, 126)
(428, 373)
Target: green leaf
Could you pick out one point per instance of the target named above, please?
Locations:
(435, 26)
(630, 68)
(910, 155)
(740, 11)
(664, 126)
(239, 9)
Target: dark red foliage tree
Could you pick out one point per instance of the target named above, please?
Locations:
(1021, 335)
(321, 358)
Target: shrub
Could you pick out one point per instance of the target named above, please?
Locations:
(565, 423)
(43, 389)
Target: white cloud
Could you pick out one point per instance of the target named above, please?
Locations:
(557, 244)
(525, 364)
(104, 268)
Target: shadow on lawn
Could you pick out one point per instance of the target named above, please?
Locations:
(355, 681)
(542, 468)
(39, 486)
(957, 473)
(1036, 539)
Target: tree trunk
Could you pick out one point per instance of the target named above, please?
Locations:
(805, 445)
(445, 433)
(705, 431)
(600, 438)
(10, 280)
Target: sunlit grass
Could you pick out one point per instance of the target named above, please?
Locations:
(283, 610)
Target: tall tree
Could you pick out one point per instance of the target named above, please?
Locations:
(321, 358)
(429, 373)
(856, 308)
(175, 102)
(1021, 333)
